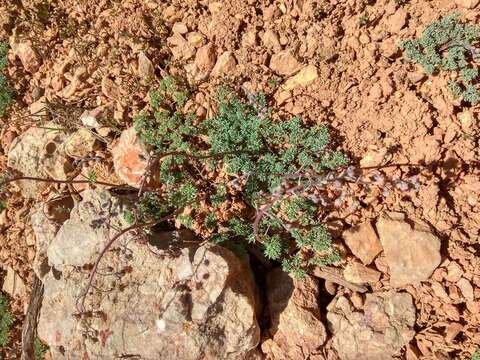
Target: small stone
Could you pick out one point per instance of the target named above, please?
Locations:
(145, 67)
(179, 28)
(284, 63)
(196, 39)
(363, 242)
(13, 285)
(110, 89)
(225, 65)
(360, 274)
(249, 38)
(416, 76)
(467, 4)
(271, 41)
(452, 330)
(397, 21)
(466, 288)
(79, 144)
(293, 305)
(377, 331)
(454, 272)
(215, 7)
(130, 158)
(205, 58)
(304, 77)
(282, 96)
(374, 157)
(411, 250)
(439, 291)
(466, 120)
(38, 109)
(30, 59)
(90, 118)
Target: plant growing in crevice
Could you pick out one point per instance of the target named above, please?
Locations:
(238, 156)
(6, 321)
(5, 90)
(449, 45)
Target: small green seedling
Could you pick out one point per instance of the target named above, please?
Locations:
(5, 90)
(6, 321)
(449, 45)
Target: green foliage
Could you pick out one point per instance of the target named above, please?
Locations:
(476, 355)
(254, 153)
(40, 349)
(446, 45)
(363, 21)
(6, 321)
(5, 90)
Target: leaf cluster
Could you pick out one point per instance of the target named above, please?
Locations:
(447, 44)
(6, 321)
(5, 90)
(254, 153)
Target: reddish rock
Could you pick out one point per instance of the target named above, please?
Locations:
(360, 274)
(130, 157)
(363, 242)
(296, 330)
(284, 63)
(205, 58)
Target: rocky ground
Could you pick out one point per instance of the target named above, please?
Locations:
(408, 286)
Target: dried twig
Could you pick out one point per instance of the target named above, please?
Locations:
(29, 331)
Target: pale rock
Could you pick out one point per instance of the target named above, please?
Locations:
(397, 21)
(225, 65)
(374, 157)
(282, 96)
(196, 39)
(145, 66)
(13, 284)
(205, 58)
(411, 250)
(81, 143)
(467, 120)
(44, 230)
(249, 38)
(358, 273)
(130, 159)
(30, 59)
(39, 109)
(270, 40)
(377, 332)
(454, 272)
(363, 242)
(466, 288)
(179, 28)
(296, 326)
(467, 4)
(180, 47)
(215, 7)
(439, 291)
(91, 118)
(39, 152)
(284, 63)
(304, 77)
(177, 301)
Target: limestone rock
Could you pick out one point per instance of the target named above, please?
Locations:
(13, 284)
(180, 47)
(304, 77)
(296, 329)
(411, 250)
(397, 21)
(284, 63)
(169, 300)
(39, 152)
(130, 158)
(363, 242)
(467, 4)
(196, 39)
(44, 230)
(271, 41)
(30, 59)
(360, 274)
(225, 65)
(80, 143)
(179, 28)
(145, 66)
(377, 332)
(205, 58)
